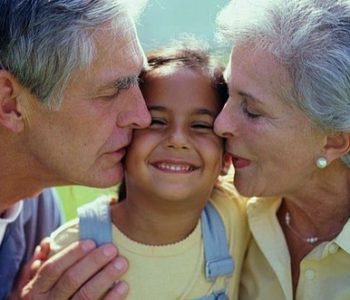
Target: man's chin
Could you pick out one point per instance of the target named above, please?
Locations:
(106, 179)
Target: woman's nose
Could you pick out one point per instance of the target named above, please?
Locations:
(224, 125)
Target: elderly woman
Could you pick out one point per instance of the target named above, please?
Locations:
(287, 124)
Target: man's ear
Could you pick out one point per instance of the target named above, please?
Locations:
(10, 114)
(337, 145)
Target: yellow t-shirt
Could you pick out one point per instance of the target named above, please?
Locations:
(324, 272)
(176, 271)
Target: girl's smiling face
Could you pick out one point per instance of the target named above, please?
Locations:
(178, 157)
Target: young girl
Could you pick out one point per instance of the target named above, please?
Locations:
(183, 232)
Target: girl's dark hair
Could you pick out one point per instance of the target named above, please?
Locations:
(189, 54)
(122, 190)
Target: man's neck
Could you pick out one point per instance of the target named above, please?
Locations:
(18, 178)
(11, 194)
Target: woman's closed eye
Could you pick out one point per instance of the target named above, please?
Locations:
(249, 112)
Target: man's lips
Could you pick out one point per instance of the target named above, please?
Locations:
(174, 166)
(118, 154)
(239, 162)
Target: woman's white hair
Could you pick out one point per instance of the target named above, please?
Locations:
(311, 38)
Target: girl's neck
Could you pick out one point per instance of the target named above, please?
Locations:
(153, 224)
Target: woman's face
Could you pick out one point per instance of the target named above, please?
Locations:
(273, 144)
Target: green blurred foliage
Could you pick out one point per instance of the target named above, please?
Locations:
(74, 196)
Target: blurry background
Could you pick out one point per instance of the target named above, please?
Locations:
(161, 22)
(165, 20)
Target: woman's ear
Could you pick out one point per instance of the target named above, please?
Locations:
(226, 164)
(337, 145)
(10, 115)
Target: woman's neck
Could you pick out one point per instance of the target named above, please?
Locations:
(315, 214)
(154, 223)
(323, 204)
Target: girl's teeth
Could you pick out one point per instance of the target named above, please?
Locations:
(174, 168)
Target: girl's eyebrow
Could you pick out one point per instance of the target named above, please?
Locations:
(156, 108)
(199, 111)
(205, 111)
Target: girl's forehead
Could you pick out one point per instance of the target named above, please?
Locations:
(175, 70)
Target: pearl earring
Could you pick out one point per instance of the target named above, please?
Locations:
(321, 162)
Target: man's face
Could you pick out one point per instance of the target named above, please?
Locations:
(84, 141)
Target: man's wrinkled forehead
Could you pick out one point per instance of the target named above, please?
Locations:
(137, 53)
(134, 54)
(132, 47)
(126, 28)
(134, 51)
(122, 32)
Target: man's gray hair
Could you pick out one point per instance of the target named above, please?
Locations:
(43, 41)
(311, 38)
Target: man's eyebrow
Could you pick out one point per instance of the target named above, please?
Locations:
(125, 83)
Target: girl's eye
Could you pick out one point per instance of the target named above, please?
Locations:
(156, 122)
(202, 126)
(248, 113)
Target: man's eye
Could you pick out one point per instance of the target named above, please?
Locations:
(112, 96)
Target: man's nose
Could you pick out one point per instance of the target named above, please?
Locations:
(135, 113)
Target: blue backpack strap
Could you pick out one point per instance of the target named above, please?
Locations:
(220, 295)
(95, 221)
(218, 261)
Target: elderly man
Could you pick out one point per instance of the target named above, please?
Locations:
(68, 102)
